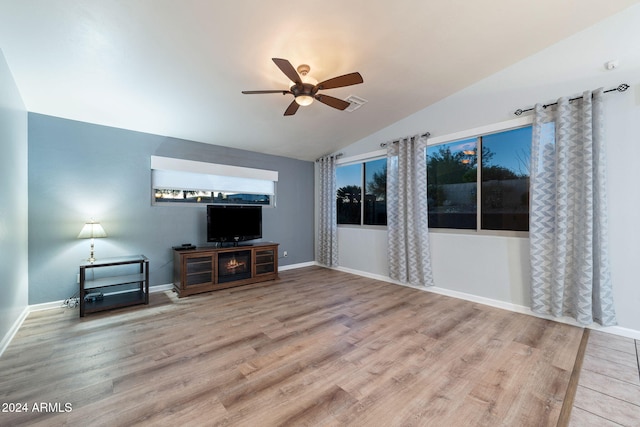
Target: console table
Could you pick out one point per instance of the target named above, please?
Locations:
(118, 275)
(207, 268)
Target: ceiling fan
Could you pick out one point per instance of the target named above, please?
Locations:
(305, 89)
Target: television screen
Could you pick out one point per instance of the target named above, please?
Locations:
(233, 223)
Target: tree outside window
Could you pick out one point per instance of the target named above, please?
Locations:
(453, 179)
(351, 180)
(375, 205)
(451, 184)
(348, 195)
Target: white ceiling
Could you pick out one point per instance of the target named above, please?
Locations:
(177, 67)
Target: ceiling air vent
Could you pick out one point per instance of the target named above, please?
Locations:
(356, 102)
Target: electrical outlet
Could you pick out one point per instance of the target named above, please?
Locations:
(285, 254)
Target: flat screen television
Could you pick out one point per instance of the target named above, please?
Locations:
(233, 223)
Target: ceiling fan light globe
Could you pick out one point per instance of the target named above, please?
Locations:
(304, 100)
(310, 80)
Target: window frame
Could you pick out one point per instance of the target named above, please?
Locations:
(478, 133)
(177, 169)
(361, 160)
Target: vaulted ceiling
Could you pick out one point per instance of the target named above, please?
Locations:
(177, 68)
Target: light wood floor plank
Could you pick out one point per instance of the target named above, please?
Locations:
(607, 407)
(582, 418)
(614, 370)
(613, 342)
(614, 356)
(611, 386)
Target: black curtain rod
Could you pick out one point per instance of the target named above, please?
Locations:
(335, 156)
(384, 144)
(620, 88)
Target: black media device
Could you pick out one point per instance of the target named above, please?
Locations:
(233, 224)
(184, 247)
(93, 297)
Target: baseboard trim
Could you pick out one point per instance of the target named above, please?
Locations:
(46, 306)
(6, 340)
(365, 274)
(614, 330)
(617, 330)
(160, 288)
(294, 266)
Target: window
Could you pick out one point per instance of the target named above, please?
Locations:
(505, 180)
(375, 196)
(177, 181)
(348, 194)
(209, 197)
(452, 184)
(351, 179)
(494, 196)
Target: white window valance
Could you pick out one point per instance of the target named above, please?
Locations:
(170, 173)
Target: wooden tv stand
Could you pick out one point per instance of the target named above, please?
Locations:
(207, 269)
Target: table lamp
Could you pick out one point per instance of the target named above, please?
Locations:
(92, 230)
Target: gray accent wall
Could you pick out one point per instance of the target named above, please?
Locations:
(79, 171)
(13, 206)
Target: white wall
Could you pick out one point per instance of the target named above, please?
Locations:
(352, 240)
(498, 267)
(13, 206)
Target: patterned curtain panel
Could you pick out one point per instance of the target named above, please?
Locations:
(407, 219)
(328, 233)
(568, 220)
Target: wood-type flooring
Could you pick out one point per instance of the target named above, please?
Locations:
(315, 347)
(608, 392)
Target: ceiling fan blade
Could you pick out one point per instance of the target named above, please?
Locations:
(292, 108)
(288, 70)
(332, 102)
(254, 92)
(341, 81)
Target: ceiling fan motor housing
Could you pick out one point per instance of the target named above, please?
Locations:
(303, 89)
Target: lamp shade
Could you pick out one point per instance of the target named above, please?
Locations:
(92, 230)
